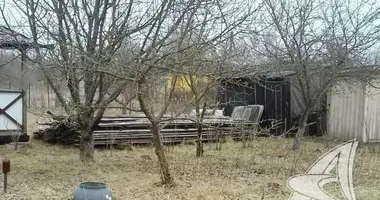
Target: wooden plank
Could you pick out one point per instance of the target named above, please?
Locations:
(163, 134)
(131, 137)
(148, 130)
(107, 120)
(176, 122)
(149, 141)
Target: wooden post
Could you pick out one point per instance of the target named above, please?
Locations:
(29, 99)
(130, 102)
(24, 103)
(42, 95)
(5, 182)
(48, 94)
(166, 91)
(6, 170)
(56, 100)
(124, 101)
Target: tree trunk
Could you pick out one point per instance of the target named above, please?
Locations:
(57, 103)
(199, 152)
(200, 115)
(87, 145)
(125, 102)
(322, 117)
(124, 110)
(166, 177)
(301, 129)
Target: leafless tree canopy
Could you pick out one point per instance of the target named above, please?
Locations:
(103, 46)
(318, 40)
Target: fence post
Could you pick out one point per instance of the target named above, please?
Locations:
(42, 95)
(29, 98)
(23, 87)
(6, 166)
(48, 94)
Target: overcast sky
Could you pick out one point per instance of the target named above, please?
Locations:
(19, 23)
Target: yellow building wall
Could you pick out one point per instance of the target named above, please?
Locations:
(183, 82)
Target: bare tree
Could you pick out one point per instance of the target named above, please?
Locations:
(203, 74)
(199, 85)
(88, 34)
(200, 93)
(318, 40)
(194, 61)
(200, 17)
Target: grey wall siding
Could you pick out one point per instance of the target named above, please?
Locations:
(354, 112)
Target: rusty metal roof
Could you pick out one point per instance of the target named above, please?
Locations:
(10, 39)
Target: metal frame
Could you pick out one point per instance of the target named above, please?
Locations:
(3, 111)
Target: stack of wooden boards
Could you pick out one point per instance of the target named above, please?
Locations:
(136, 129)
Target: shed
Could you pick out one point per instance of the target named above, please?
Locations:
(353, 111)
(273, 91)
(12, 40)
(276, 91)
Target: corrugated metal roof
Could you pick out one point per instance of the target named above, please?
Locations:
(277, 74)
(10, 39)
(9, 36)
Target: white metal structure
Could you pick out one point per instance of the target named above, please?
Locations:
(354, 112)
(12, 112)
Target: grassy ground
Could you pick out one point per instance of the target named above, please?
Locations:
(259, 171)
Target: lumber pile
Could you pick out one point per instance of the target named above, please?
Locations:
(136, 129)
(176, 131)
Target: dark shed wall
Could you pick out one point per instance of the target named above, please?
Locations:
(273, 94)
(238, 92)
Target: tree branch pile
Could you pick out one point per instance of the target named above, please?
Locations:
(62, 129)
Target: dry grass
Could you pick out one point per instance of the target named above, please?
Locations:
(259, 171)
